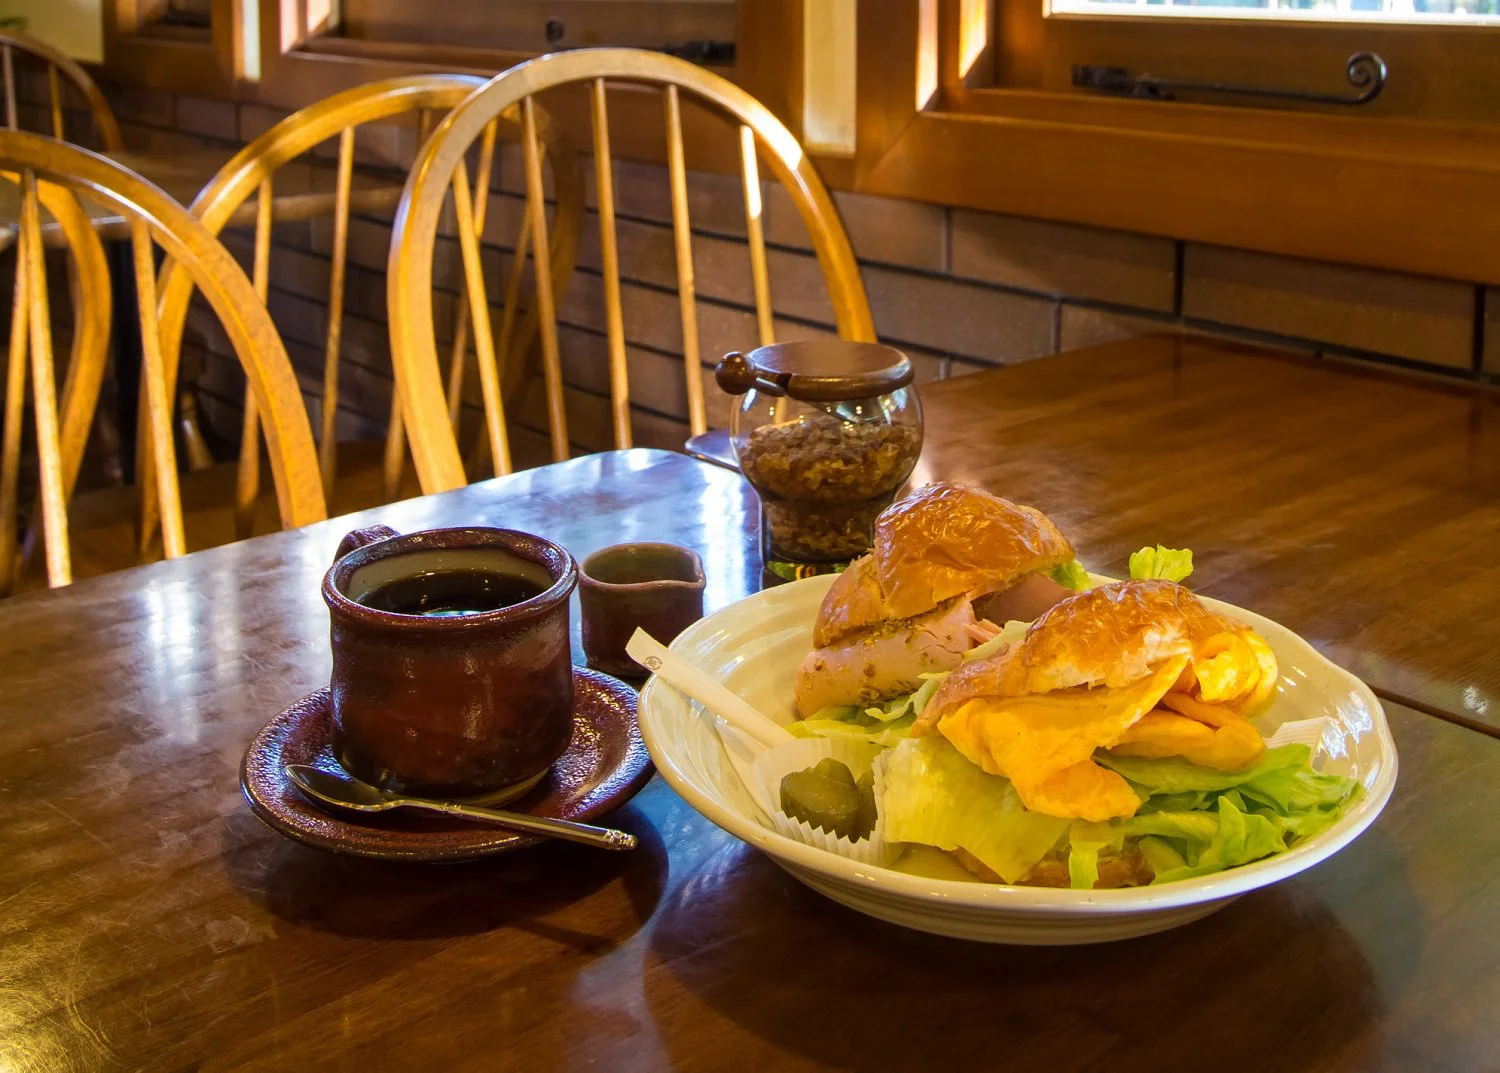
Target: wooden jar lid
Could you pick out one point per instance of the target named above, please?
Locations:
(816, 370)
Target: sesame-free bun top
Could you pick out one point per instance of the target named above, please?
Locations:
(1109, 636)
(942, 541)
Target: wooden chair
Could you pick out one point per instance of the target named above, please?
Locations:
(59, 69)
(251, 173)
(438, 461)
(61, 432)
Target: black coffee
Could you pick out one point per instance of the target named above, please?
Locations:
(442, 593)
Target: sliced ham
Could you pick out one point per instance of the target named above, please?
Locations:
(885, 661)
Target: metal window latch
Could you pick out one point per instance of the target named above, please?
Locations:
(702, 51)
(1366, 72)
(698, 51)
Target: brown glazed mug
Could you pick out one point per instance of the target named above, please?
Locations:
(657, 587)
(474, 706)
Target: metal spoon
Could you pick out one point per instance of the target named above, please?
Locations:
(343, 792)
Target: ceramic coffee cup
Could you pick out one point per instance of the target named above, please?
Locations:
(474, 705)
(656, 587)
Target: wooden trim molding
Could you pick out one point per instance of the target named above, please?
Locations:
(300, 65)
(201, 62)
(1386, 191)
(1399, 194)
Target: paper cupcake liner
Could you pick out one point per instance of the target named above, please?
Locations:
(762, 770)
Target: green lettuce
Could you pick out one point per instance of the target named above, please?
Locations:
(1209, 842)
(925, 691)
(1218, 819)
(1282, 781)
(1085, 842)
(934, 796)
(1174, 775)
(1013, 630)
(1160, 854)
(1193, 820)
(1071, 575)
(883, 734)
(1173, 564)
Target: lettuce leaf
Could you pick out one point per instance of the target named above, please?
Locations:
(884, 724)
(891, 710)
(1174, 775)
(1290, 791)
(1304, 824)
(1085, 841)
(883, 734)
(1210, 842)
(1071, 575)
(1013, 630)
(1173, 564)
(1160, 854)
(933, 796)
(1186, 801)
(925, 691)
(838, 711)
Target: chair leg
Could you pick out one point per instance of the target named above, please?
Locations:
(195, 447)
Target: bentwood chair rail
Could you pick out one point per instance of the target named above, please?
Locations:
(60, 69)
(514, 93)
(256, 173)
(50, 173)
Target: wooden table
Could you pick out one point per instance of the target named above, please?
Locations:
(151, 922)
(302, 190)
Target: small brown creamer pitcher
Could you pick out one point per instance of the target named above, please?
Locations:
(452, 673)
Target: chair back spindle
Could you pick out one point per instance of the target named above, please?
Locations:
(440, 464)
(419, 97)
(54, 510)
(60, 68)
(50, 174)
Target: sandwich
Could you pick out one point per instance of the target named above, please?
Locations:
(1136, 668)
(1111, 742)
(949, 562)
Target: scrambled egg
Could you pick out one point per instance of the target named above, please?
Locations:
(1044, 743)
(1231, 747)
(1195, 708)
(1237, 669)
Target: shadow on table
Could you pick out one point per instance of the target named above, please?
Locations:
(1272, 981)
(367, 899)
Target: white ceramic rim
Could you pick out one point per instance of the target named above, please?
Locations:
(1045, 900)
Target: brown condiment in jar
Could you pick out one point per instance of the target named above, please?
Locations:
(827, 433)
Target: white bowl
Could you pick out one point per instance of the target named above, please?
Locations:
(754, 647)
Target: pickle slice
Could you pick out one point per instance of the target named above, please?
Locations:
(864, 815)
(827, 798)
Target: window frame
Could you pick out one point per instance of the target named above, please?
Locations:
(207, 62)
(299, 68)
(1387, 192)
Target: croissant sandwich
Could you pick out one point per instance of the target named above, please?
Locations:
(948, 562)
(1137, 668)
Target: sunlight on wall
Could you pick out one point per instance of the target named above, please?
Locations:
(927, 52)
(973, 33)
(250, 40)
(75, 27)
(828, 58)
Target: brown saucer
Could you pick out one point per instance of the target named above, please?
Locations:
(605, 765)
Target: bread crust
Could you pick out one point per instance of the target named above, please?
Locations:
(1111, 635)
(942, 541)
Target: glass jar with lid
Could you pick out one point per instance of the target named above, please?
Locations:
(826, 431)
